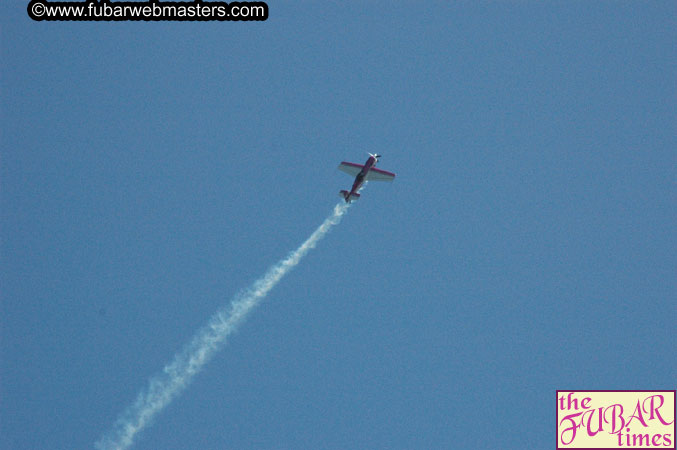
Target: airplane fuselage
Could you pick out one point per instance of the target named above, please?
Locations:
(362, 173)
(359, 179)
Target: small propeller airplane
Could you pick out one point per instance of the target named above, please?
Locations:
(362, 173)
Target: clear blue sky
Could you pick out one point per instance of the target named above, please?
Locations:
(149, 171)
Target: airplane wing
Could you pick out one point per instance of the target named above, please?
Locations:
(379, 175)
(350, 168)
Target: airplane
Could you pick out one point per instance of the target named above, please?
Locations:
(362, 173)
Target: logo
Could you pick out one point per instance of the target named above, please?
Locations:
(608, 420)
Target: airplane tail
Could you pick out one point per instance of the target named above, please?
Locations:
(344, 195)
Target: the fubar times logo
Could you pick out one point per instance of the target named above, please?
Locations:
(616, 420)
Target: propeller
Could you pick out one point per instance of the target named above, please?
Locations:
(375, 155)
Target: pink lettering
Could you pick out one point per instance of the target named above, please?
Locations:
(591, 413)
(573, 426)
(637, 414)
(653, 409)
(616, 415)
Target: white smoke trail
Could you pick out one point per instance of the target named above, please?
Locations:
(178, 374)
